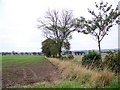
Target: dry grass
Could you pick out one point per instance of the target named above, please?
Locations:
(75, 72)
(101, 78)
(78, 57)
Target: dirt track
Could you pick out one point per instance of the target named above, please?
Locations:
(28, 74)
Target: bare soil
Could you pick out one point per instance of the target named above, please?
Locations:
(29, 73)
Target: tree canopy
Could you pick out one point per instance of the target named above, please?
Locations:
(49, 48)
(58, 26)
(103, 19)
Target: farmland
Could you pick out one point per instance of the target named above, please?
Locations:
(26, 70)
(41, 72)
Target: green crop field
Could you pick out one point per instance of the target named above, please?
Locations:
(10, 60)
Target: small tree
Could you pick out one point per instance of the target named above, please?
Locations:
(100, 24)
(49, 47)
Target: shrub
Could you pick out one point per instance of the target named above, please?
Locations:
(67, 57)
(111, 60)
(63, 57)
(70, 56)
(91, 57)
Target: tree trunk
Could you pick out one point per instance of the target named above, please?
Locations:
(60, 46)
(98, 38)
(100, 50)
(99, 47)
(59, 53)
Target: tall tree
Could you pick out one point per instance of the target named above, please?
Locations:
(58, 26)
(103, 19)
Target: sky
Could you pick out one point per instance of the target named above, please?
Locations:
(18, 24)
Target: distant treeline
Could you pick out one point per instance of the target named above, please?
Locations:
(63, 52)
(21, 53)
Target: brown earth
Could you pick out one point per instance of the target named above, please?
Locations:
(29, 73)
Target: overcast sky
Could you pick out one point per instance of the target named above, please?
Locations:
(18, 24)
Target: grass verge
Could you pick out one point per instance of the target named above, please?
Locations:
(63, 84)
(88, 78)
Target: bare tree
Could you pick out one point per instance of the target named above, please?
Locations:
(58, 26)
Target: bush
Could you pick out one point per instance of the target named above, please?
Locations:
(70, 56)
(91, 57)
(67, 57)
(63, 57)
(111, 60)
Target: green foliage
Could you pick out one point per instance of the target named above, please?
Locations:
(67, 57)
(67, 45)
(64, 84)
(91, 57)
(70, 56)
(113, 84)
(49, 47)
(112, 60)
(64, 57)
(11, 60)
(101, 22)
(68, 84)
(59, 27)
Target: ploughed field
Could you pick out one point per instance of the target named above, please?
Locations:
(27, 70)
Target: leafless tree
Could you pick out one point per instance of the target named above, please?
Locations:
(58, 26)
